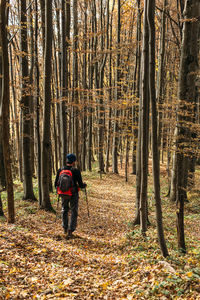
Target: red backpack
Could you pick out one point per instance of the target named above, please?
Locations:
(65, 183)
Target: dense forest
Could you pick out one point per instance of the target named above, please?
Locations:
(115, 82)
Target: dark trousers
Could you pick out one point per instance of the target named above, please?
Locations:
(69, 203)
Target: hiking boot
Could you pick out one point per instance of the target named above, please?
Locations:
(69, 234)
(65, 230)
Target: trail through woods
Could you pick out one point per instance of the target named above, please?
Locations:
(101, 262)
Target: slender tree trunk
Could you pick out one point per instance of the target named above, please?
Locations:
(127, 149)
(101, 86)
(136, 220)
(2, 169)
(25, 107)
(42, 7)
(136, 89)
(58, 67)
(4, 112)
(76, 129)
(101, 100)
(161, 73)
(186, 96)
(84, 118)
(117, 96)
(13, 80)
(144, 125)
(173, 176)
(37, 104)
(63, 116)
(91, 83)
(155, 150)
(109, 137)
(32, 155)
(1, 207)
(46, 142)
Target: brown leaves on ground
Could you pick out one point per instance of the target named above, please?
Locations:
(105, 260)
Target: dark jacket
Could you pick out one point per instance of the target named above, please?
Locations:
(76, 176)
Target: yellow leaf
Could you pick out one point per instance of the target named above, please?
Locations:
(189, 274)
(105, 285)
(13, 270)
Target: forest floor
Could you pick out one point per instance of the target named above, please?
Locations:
(107, 259)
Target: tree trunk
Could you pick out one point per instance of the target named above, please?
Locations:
(136, 89)
(144, 126)
(136, 220)
(101, 100)
(186, 96)
(4, 112)
(63, 116)
(1, 207)
(84, 118)
(2, 169)
(91, 83)
(117, 96)
(161, 73)
(58, 67)
(173, 177)
(37, 104)
(13, 80)
(25, 107)
(155, 150)
(46, 142)
(75, 117)
(31, 99)
(42, 7)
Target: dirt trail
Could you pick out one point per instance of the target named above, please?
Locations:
(37, 262)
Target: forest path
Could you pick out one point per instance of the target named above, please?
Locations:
(39, 263)
(106, 259)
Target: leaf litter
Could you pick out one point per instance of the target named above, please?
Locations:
(107, 259)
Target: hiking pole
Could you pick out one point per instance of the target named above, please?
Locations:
(57, 207)
(86, 199)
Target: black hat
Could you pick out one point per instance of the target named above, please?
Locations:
(71, 158)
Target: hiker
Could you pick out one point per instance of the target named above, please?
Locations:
(70, 197)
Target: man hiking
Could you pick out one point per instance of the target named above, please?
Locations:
(68, 182)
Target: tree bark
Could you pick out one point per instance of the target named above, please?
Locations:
(26, 112)
(4, 104)
(186, 96)
(1, 207)
(109, 136)
(101, 98)
(46, 142)
(91, 83)
(136, 89)
(18, 146)
(37, 104)
(75, 116)
(144, 125)
(155, 150)
(84, 117)
(63, 108)
(42, 7)
(161, 73)
(117, 96)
